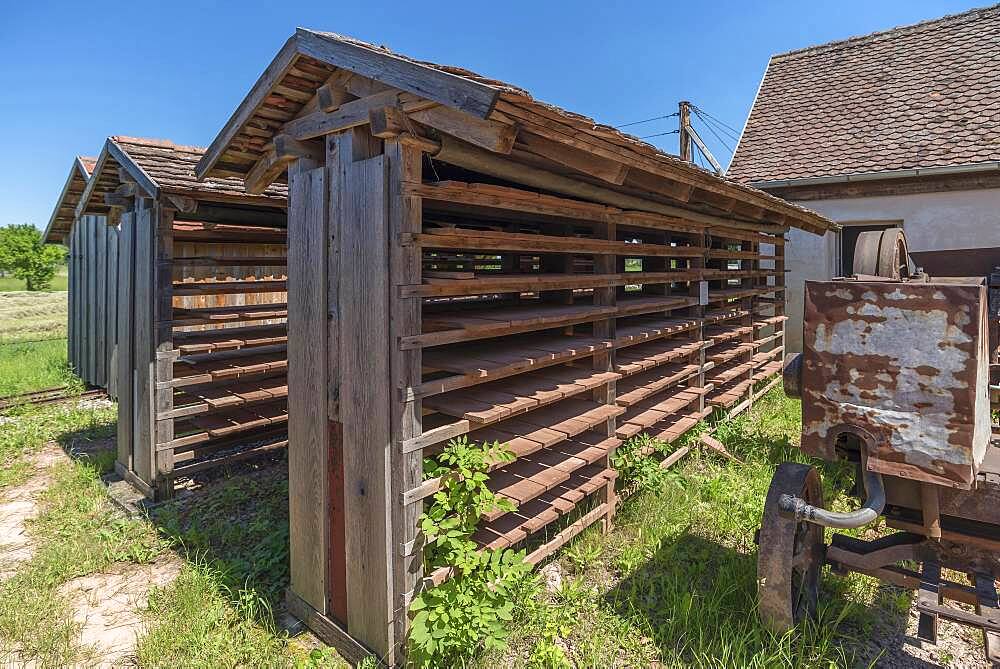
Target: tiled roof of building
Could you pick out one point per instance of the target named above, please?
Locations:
(64, 213)
(160, 166)
(925, 95)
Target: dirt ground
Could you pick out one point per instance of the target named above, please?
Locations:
(107, 606)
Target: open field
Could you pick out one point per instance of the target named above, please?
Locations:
(33, 342)
(672, 586)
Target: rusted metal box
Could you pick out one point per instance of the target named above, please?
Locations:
(904, 367)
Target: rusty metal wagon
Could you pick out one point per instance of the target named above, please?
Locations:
(894, 376)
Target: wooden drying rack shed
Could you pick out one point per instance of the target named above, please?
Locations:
(464, 259)
(92, 312)
(201, 362)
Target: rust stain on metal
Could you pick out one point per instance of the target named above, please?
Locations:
(903, 366)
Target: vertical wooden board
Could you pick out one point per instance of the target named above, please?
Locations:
(100, 302)
(365, 400)
(112, 318)
(71, 297)
(91, 339)
(126, 260)
(142, 451)
(308, 442)
(163, 398)
(405, 216)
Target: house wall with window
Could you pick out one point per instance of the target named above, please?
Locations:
(957, 229)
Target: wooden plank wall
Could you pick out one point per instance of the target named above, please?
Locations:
(93, 289)
(205, 369)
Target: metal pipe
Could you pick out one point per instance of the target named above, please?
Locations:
(796, 507)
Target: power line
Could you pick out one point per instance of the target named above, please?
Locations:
(712, 130)
(648, 120)
(722, 123)
(660, 134)
(713, 124)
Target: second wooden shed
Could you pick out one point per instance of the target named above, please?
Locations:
(201, 314)
(467, 260)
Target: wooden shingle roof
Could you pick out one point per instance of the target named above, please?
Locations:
(162, 167)
(64, 212)
(919, 96)
(286, 91)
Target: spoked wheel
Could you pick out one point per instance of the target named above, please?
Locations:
(791, 553)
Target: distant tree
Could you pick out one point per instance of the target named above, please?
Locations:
(23, 255)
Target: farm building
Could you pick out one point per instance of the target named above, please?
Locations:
(894, 129)
(93, 281)
(199, 319)
(466, 260)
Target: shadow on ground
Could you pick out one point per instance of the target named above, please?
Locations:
(697, 600)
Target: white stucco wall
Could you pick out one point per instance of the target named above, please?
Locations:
(931, 221)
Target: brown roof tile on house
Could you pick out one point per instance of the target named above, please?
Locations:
(163, 167)
(925, 95)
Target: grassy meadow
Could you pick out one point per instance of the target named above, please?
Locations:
(33, 341)
(674, 585)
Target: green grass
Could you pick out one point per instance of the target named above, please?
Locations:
(30, 366)
(9, 283)
(675, 583)
(33, 354)
(77, 532)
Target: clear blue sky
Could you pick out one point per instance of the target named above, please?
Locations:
(73, 73)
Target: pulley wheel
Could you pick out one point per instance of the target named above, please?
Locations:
(882, 253)
(791, 553)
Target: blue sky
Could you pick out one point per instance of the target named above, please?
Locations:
(75, 72)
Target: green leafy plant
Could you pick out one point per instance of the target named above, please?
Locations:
(637, 470)
(23, 254)
(471, 610)
(462, 500)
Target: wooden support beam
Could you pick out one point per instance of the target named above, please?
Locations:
(330, 97)
(487, 134)
(348, 115)
(607, 170)
(285, 149)
(183, 204)
(116, 200)
(387, 122)
(465, 155)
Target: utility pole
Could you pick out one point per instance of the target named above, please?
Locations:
(684, 111)
(689, 135)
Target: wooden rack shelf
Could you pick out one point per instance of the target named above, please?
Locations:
(728, 397)
(547, 426)
(546, 508)
(648, 355)
(531, 283)
(230, 261)
(643, 385)
(494, 401)
(715, 335)
(490, 240)
(466, 325)
(228, 339)
(216, 315)
(720, 355)
(227, 370)
(642, 329)
(228, 287)
(636, 306)
(194, 400)
(722, 375)
(470, 364)
(648, 413)
(722, 315)
(197, 430)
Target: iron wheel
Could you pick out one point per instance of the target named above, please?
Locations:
(791, 553)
